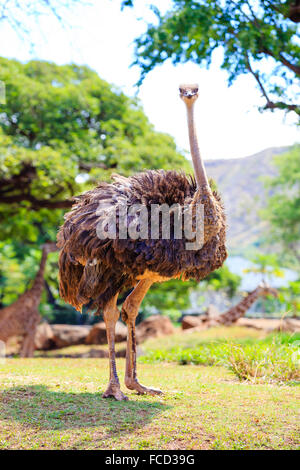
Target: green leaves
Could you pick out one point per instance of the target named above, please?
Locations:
(224, 279)
(62, 121)
(62, 130)
(283, 208)
(256, 38)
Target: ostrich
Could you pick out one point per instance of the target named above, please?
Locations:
(95, 270)
(22, 317)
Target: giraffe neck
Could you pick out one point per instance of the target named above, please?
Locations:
(21, 316)
(38, 284)
(9, 327)
(241, 308)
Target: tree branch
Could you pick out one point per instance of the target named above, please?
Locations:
(294, 12)
(20, 185)
(256, 23)
(282, 105)
(256, 76)
(270, 104)
(36, 204)
(293, 67)
(294, 247)
(90, 166)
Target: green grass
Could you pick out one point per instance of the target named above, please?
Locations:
(77, 350)
(57, 404)
(271, 358)
(51, 403)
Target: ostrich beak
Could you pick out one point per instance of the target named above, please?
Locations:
(188, 92)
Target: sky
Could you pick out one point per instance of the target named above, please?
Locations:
(102, 37)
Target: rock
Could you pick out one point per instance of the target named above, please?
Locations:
(44, 337)
(212, 312)
(156, 325)
(190, 321)
(271, 324)
(69, 335)
(201, 327)
(97, 353)
(121, 353)
(97, 335)
(291, 325)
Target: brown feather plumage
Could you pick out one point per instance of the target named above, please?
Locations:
(120, 263)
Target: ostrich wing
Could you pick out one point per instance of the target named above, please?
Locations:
(93, 268)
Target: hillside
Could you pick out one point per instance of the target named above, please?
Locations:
(239, 181)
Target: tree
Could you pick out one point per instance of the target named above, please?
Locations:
(265, 265)
(283, 207)
(290, 298)
(62, 129)
(258, 37)
(223, 279)
(19, 15)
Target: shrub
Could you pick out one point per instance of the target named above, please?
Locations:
(274, 358)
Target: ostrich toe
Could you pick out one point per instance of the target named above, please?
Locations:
(141, 389)
(114, 391)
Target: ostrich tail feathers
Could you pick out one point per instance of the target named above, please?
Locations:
(70, 275)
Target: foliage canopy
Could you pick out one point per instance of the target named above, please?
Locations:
(257, 38)
(283, 207)
(62, 129)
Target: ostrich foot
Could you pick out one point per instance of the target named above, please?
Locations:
(113, 390)
(135, 385)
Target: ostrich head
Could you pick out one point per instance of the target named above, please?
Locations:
(266, 290)
(189, 93)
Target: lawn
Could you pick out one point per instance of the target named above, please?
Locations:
(251, 355)
(50, 403)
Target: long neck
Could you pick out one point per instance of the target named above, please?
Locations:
(241, 308)
(38, 284)
(199, 169)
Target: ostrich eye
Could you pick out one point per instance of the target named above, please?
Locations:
(181, 90)
(195, 90)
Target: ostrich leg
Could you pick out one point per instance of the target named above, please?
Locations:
(129, 313)
(111, 315)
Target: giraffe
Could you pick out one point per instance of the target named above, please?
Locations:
(22, 317)
(239, 310)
